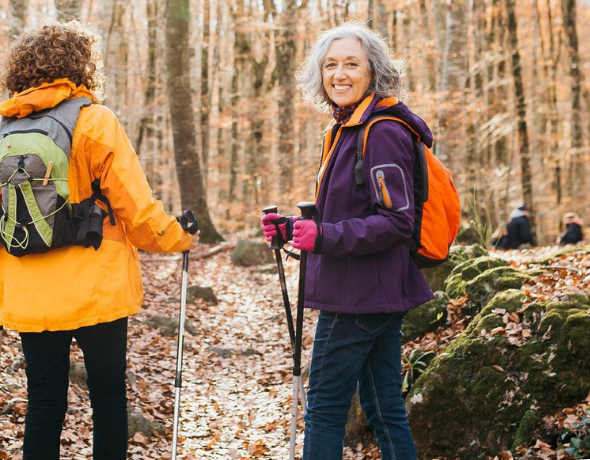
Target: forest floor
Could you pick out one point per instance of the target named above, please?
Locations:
(236, 396)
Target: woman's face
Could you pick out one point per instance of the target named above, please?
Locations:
(345, 72)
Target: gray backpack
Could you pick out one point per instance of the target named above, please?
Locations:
(36, 214)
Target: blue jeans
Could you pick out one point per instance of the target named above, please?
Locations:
(349, 352)
(47, 355)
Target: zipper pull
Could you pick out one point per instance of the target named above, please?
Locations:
(48, 172)
(383, 192)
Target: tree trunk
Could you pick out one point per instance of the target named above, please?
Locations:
(286, 48)
(377, 16)
(192, 192)
(430, 52)
(146, 129)
(68, 9)
(520, 107)
(18, 14)
(450, 139)
(577, 164)
(476, 161)
(550, 58)
(116, 56)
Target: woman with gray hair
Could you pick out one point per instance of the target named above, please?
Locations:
(360, 272)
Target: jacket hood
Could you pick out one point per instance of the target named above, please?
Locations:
(516, 213)
(42, 97)
(391, 106)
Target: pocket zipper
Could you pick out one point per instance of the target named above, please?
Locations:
(383, 193)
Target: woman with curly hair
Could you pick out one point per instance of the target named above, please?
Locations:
(77, 292)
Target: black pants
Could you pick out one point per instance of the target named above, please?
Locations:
(47, 355)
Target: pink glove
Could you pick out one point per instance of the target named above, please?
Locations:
(307, 235)
(269, 224)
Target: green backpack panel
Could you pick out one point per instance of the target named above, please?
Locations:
(36, 214)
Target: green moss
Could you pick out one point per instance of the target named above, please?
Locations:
(550, 258)
(460, 253)
(578, 298)
(490, 322)
(455, 286)
(524, 434)
(510, 300)
(576, 329)
(425, 318)
(468, 270)
(436, 276)
(533, 314)
(483, 287)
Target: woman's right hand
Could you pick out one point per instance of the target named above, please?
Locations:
(270, 223)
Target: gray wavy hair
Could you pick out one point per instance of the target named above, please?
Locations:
(385, 70)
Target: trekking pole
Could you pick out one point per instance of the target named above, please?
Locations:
(308, 210)
(180, 346)
(276, 246)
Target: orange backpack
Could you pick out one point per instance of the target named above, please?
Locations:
(436, 201)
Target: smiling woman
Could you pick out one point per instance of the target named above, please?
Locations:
(360, 274)
(345, 72)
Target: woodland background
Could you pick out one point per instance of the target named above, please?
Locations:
(206, 92)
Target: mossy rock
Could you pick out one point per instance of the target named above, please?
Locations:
(139, 423)
(468, 234)
(460, 253)
(358, 430)
(483, 385)
(425, 318)
(483, 287)
(468, 270)
(525, 433)
(167, 327)
(78, 374)
(550, 258)
(206, 293)
(252, 251)
(436, 276)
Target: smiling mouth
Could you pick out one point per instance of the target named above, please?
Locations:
(341, 87)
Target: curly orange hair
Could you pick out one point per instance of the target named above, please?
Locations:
(56, 50)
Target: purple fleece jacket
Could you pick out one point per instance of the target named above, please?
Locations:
(364, 265)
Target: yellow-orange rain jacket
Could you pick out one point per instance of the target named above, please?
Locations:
(73, 286)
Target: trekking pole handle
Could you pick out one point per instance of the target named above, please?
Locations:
(308, 210)
(275, 240)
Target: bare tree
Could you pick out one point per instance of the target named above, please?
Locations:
(18, 13)
(146, 121)
(452, 86)
(180, 101)
(520, 107)
(116, 55)
(577, 165)
(378, 16)
(286, 48)
(68, 9)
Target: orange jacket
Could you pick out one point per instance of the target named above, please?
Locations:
(73, 286)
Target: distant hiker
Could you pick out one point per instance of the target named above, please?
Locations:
(519, 228)
(360, 271)
(573, 229)
(84, 291)
(499, 239)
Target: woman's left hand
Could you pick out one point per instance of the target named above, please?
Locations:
(307, 235)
